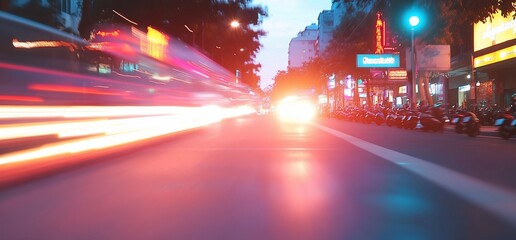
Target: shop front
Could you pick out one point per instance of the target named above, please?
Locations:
(494, 62)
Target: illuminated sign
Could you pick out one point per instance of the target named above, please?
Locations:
(108, 34)
(331, 82)
(464, 88)
(397, 75)
(402, 89)
(323, 99)
(493, 32)
(378, 60)
(42, 44)
(157, 43)
(494, 57)
(380, 31)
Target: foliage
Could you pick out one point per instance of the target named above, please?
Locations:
(233, 48)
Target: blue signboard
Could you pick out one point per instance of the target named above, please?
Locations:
(378, 60)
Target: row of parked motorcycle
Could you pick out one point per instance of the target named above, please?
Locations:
(427, 119)
(506, 125)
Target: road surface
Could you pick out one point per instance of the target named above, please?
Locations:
(260, 178)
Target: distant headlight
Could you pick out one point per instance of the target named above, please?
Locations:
(296, 110)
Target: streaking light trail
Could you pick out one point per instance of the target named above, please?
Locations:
(97, 131)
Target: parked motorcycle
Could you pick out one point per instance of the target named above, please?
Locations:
(432, 120)
(471, 124)
(402, 118)
(369, 116)
(410, 120)
(507, 125)
(379, 118)
(390, 120)
(457, 121)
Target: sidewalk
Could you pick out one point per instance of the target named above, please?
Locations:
(484, 130)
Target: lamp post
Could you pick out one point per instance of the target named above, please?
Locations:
(477, 84)
(236, 24)
(413, 21)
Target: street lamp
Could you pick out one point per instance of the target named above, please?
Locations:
(235, 24)
(413, 21)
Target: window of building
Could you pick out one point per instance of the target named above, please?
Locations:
(65, 6)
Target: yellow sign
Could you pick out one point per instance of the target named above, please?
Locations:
(398, 74)
(493, 32)
(157, 43)
(494, 57)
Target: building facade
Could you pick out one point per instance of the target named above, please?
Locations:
(303, 47)
(326, 28)
(67, 13)
(485, 75)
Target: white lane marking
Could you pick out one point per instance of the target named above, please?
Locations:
(497, 200)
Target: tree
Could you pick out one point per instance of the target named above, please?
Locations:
(202, 23)
(446, 18)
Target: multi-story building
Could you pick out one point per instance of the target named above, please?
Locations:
(326, 28)
(303, 47)
(68, 12)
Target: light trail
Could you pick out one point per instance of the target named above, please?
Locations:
(105, 133)
(13, 112)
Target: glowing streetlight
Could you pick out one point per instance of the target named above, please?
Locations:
(413, 21)
(234, 24)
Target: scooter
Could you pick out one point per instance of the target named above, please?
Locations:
(410, 121)
(471, 124)
(506, 126)
(432, 120)
(379, 118)
(457, 121)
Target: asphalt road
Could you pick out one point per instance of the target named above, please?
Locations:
(260, 178)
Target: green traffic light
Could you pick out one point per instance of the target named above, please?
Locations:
(414, 21)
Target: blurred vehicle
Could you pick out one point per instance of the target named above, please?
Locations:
(296, 109)
(119, 65)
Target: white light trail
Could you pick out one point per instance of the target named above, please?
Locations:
(127, 19)
(106, 133)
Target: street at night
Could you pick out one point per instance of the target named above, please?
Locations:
(258, 120)
(257, 177)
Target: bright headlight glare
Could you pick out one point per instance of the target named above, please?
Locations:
(297, 111)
